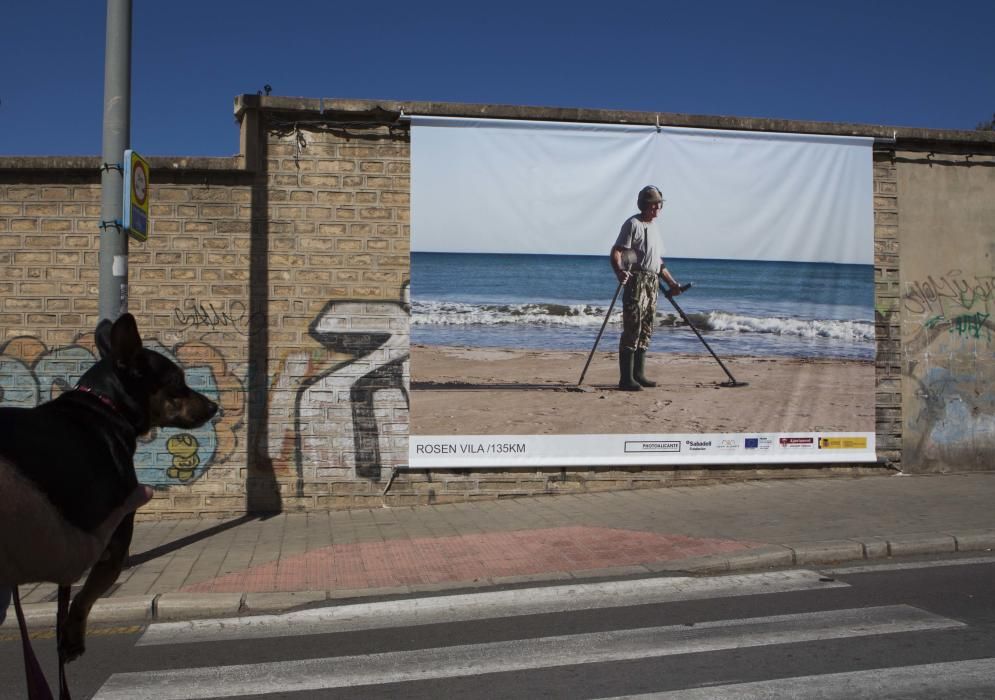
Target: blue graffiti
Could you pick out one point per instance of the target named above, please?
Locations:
(18, 385)
(166, 457)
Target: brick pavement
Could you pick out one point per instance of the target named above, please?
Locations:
(326, 555)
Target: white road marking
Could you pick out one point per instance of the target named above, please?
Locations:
(482, 606)
(954, 679)
(499, 657)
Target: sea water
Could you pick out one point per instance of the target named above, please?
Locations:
(558, 302)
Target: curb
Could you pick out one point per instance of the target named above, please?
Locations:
(176, 606)
(837, 551)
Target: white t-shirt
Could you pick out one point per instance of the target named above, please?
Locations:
(644, 238)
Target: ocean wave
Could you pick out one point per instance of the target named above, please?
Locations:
(461, 314)
(833, 329)
(584, 315)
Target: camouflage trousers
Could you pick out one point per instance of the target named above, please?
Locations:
(638, 311)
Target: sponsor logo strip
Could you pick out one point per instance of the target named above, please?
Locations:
(843, 443)
(652, 445)
(444, 451)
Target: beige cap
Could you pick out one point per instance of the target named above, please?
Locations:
(649, 195)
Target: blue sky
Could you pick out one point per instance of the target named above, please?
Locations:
(921, 64)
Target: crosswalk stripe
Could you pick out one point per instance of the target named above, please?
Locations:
(483, 606)
(517, 655)
(953, 679)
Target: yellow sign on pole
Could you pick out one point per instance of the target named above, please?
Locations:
(135, 214)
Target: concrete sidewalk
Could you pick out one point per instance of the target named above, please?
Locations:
(190, 569)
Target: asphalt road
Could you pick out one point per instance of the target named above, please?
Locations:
(887, 631)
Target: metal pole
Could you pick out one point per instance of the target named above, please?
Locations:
(113, 300)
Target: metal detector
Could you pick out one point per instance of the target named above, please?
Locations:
(670, 297)
(598, 339)
(628, 258)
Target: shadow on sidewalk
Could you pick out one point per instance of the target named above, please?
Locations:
(169, 547)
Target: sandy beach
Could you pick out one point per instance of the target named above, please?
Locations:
(500, 391)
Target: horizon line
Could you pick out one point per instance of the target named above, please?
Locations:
(668, 257)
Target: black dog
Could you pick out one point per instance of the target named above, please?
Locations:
(78, 449)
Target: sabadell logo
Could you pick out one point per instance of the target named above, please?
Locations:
(698, 444)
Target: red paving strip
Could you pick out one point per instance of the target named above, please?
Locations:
(463, 558)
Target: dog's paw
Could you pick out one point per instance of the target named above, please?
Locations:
(72, 641)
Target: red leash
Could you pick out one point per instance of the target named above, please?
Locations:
(60, 624)
(37, 685)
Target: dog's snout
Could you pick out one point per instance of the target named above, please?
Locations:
(204, 408)
(192, 411)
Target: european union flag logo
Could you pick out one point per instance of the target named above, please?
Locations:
(752, 443)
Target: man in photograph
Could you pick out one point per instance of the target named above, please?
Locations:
(637, 259)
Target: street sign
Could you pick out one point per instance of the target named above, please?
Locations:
(135, 213)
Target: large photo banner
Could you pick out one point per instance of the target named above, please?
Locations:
(767, 357)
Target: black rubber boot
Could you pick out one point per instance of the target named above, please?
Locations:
(625, 380)
(639, 369)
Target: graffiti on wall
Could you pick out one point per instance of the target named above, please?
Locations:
(205, 316)
(376, 379)
(955, 292)
(950, 364)
(348, 397)
(31, 374)
(954, 424)
(972, 325)
(345, 400)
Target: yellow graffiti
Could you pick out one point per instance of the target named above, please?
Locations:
(184, 448)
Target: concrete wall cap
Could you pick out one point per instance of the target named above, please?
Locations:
(342, 108)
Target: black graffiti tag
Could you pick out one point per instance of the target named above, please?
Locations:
(955, 287)
(194, 314)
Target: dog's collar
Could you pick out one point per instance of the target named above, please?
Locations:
(106, 400)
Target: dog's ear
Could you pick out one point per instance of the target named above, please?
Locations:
(103, 338)
(125, 342)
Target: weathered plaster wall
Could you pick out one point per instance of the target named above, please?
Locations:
(946, 221)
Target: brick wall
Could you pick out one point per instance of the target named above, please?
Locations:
(886, 309)
(47, 263)
(279, 281)
(188, 289)
(329, 411)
